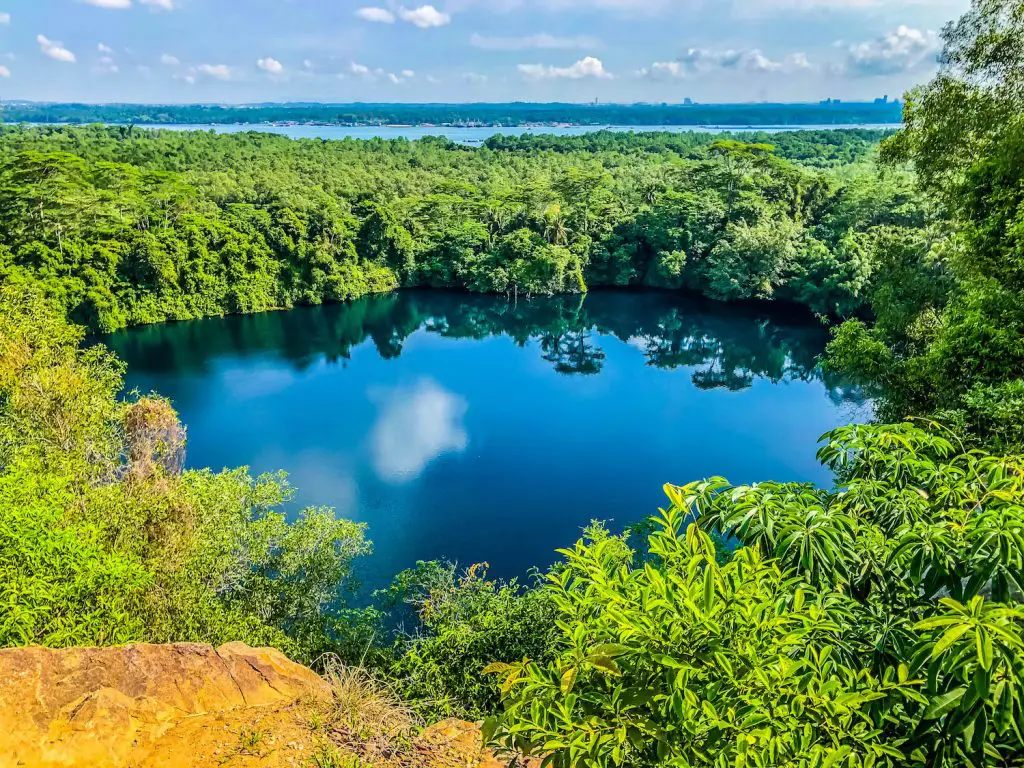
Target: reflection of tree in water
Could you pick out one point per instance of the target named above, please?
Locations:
(726, 346)
(572, 352)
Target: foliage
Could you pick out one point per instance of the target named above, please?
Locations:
(105, 539)
(875, 624)
(950, 304)
(463, 622)
(126, 227)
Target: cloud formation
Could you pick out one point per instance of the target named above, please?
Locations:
(104, 48)
(5, 18)
(270, 65)
(112, 4)
(4, 71)
(903, 50)
(702, 61)
(169, 61)
(163, 5)
(415, 425)
(585, 67)
(216, 71)
(55, 50)
(424, 17)
(377, 15)
(105, 66)
(538, 41)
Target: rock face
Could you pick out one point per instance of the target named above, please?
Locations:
(112, 706)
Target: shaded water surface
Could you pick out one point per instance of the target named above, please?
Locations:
(477, 429)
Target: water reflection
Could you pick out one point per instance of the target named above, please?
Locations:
(478, 429)
(415, 425)
(724, 346)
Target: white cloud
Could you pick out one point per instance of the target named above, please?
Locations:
(475, 78)
(55, 50)
(415, 425)
(424, 17)
(308, 64)
(903, 50)
(5, 18)
(190, 79)
(169, 61)
(113, 4)
(4, 71)
(359, 69)
(408, 73)
(392, 77)
(540, 41)
(218, 71)
(104, 48)
(378, 15)
(700, 60)
(585, 67)
(105, 66)
(271, 65)
(163, 5)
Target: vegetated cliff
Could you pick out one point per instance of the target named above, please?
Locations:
(190, 705)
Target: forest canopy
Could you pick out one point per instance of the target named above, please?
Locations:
(126, 226)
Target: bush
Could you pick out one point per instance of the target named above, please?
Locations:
(874, 625)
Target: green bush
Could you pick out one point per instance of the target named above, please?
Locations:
(877, 624)
(104, 538)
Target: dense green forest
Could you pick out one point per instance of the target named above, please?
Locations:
(510, 114)
(127, 226)
(875, 623)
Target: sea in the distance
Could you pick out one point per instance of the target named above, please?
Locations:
(478, 429)
(478, 134)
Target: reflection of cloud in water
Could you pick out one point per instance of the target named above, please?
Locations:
(416, 425)
(245, 384)
(320, 477)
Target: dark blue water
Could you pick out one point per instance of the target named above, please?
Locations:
(475, 429)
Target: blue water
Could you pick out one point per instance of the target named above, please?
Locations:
(476, 135)
(476, 429)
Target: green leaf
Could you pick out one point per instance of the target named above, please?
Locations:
(951, 636)
(943, 704)
(568, 679)
(605, 664)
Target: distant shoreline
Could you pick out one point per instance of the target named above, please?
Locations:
(465, 116)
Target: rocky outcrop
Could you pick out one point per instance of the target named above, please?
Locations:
(113, 706)
(193, 706)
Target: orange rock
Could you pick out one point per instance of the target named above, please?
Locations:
(106, 706)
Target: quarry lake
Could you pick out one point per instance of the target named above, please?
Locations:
(477, 429)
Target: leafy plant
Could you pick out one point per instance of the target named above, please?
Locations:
(875, 624)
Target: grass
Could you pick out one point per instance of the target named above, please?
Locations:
(328, 756)
(250, 741)
(365, 708)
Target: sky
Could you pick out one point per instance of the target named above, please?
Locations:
(242, 51)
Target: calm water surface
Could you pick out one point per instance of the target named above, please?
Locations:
(476, 429)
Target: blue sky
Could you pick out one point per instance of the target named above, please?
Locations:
(466, 50)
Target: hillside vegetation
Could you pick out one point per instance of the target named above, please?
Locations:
(126, 226)
(875, 623)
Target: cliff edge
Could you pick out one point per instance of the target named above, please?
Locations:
(193, 706)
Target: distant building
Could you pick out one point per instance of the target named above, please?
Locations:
(883, 100)
(687, 102)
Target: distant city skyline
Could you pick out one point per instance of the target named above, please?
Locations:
(614, 51)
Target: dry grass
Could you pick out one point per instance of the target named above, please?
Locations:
(366, 710)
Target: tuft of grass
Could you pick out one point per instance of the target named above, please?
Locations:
(366, 708)
(249, 742)
(328, 756)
